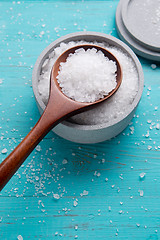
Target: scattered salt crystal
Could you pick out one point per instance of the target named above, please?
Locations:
(137, 224)
(75, 203)
(19, 237)
(38, 148)
(109, 208)
(147, 135)
(141, 193)
(153, 66)
(85, 193)
(149, 147)
(37, 178)
(76, 227)
(106, 179)
(149, 121)
(103, 160)
(158, 126)
(42, 33)
(120, 212)
(97, 174)
(64, 161)
(142, 175)
(4, 150)
(56, 196)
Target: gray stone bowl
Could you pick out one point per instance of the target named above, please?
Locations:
(89, 133)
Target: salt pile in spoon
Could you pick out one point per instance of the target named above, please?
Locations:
(116, 106)
(87, 76)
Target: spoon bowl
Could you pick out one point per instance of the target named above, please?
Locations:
(109, 55)
(59, 107)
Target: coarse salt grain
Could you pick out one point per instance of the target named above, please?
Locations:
(87, 76)
(64, 161)
(56, 196)
(75, 203)
(153, 66)
(4, 150)
(141, 193)
(85, 193)
(76, 227)
(38, 148)
(142, 175)
(19, 237)
(158, 126)
(115, 107)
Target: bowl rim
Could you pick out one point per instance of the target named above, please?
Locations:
(69, 37)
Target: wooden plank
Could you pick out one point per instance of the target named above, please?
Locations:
(102, 178)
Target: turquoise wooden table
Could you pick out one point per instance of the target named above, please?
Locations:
(66, 190)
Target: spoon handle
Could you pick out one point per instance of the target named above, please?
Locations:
(55, 112)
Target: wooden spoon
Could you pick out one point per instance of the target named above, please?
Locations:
(59, 107)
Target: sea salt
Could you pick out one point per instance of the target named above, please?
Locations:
(56, 196)
(142, 175)
(19, 237)
(158, 126)
(38, 148)
(85, 193)
(141, 193)
(64, 161)
(87, 76)
(76, 227)
(153, 66)
(4, 150)
(75, 203)
(108, 111)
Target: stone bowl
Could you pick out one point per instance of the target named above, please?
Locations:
(89, 133)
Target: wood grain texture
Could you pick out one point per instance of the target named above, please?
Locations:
(27, 204)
